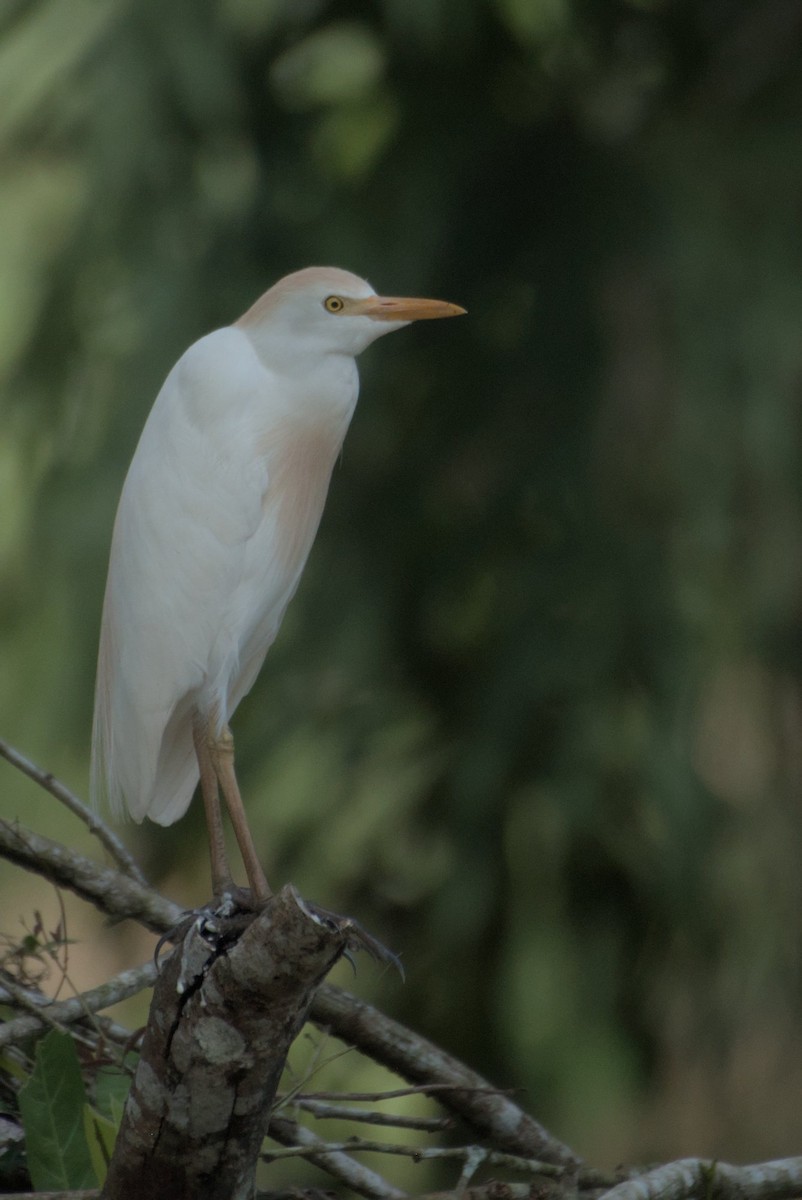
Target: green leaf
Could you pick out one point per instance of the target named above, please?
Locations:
(51, 1105)
(10, 1066)
(112, 1085)
(100, 1134)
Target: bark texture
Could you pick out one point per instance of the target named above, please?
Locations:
(225, 1010)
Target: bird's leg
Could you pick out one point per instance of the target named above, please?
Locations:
(221, 872)
(221, 749)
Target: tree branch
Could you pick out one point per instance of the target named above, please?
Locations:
(325, 1111)
(98, 827)
(218, 1079)
(226, 1007)
(492, 1114)
(65, 1012)
(472, 1157)
(314, 1149)
(112, 891)
(705, 1179)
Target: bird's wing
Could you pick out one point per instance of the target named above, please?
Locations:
(192, 501)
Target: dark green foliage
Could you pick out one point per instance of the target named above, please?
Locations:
(52, 1109)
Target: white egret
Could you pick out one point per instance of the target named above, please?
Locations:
(216, 518)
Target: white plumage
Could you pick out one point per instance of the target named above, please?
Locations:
(216, 518)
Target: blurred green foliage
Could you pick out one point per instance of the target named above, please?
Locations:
(535, 712)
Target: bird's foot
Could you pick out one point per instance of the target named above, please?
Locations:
(232, 900)
(227, 914)
(207, 931)
(356, 938)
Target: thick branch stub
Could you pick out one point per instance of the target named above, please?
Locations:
(212, 1057)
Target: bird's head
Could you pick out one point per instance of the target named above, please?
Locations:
(328, 311)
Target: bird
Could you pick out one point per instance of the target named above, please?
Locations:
(216, 518)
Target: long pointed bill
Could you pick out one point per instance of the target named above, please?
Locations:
(402, 308)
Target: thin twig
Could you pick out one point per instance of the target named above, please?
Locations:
(342, 1112)
(419, 1089)
(61, 940)
(473, 1155)
(491, 1113)
(356, 1176)
(126, 984)
(62, 793)
(22, 997)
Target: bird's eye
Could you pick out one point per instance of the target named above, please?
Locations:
(333, 304)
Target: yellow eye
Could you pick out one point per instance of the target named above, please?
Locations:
(334, 304)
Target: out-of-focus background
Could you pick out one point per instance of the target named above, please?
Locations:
(535, 713)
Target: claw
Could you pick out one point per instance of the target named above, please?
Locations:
(349, 958)
(356, 937)
(220, 916)
(175, 934)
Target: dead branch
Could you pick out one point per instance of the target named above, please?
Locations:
(210, 1064)
(472, 1157)
(705, 1179)
(110, 890)
(42, 1012)
(224, 1014)
(490, 1113)
(324, 1111)
(335, 1161)
(95, 824)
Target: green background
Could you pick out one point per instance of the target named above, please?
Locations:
(535, 713)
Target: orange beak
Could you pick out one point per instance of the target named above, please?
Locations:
(402, 308)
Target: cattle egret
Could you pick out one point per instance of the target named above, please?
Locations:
(216, 518)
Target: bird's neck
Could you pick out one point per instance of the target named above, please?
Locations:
(326, 389)
(314, 386)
